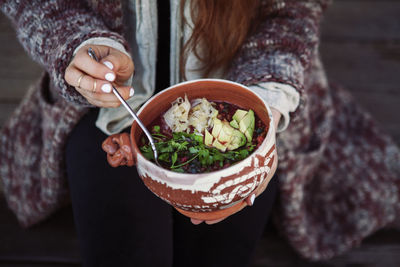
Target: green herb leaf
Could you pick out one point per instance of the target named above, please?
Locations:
(164, 157)
(147, 152)
(198, 138)
(191, 145)
(166, 149)
(193, 150)
(158, 135)
(186, 162)
(156, 129)
(243, 153)
(174, 157)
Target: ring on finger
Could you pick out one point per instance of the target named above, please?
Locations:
(79, 80)
(94, 86)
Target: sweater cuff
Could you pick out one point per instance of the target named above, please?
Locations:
(279, 96)
(61, 57)
(106, 42)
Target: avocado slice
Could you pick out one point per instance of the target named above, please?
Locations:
(238, 139)
(208, 138)
(226, 137)
(246, 125)
(239, 114)
(218, 145)
(217, 127)
(234, 124)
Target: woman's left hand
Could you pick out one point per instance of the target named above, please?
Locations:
(250, 199)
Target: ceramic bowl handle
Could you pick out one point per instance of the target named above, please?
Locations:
(119, 150)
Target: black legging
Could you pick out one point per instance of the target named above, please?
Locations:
(121, 223)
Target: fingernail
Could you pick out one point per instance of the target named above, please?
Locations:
(108, 64)
(131, 92)
(110, 77)
(106, 88)
(252, 198)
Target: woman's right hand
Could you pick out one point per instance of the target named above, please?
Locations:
(93, 79)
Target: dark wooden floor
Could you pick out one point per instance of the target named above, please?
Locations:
(361, 50)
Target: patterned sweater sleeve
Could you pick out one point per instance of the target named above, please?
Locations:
(51, 30)
(282, 47)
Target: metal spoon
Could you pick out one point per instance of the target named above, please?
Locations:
(92, 54)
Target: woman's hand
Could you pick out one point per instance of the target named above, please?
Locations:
(250, 199)
(93, 79)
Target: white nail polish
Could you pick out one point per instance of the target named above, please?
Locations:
(252, 198)
(110, 77)
(106, 88)
(108, 64)
(131, 92)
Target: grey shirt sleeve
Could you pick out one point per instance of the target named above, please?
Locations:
(281, 97)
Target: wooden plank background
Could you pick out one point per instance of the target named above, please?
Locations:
(361, 51)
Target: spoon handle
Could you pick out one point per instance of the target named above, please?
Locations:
(129, 109)
(92, 54)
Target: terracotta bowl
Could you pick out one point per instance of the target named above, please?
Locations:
(207, 196)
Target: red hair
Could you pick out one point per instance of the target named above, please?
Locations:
(220, 28)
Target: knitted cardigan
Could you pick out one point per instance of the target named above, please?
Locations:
(338, 172)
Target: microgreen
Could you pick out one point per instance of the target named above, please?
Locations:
(156, 129)
(184, 148)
